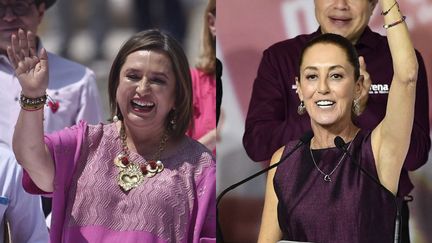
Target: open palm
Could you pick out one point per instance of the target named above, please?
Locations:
(31, 69)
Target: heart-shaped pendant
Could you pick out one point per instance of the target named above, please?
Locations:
(130, 177)
(132, 174)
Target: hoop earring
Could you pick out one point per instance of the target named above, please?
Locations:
(301, 109)
(356, 107)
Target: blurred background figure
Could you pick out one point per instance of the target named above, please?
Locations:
(21, 216)
(98, 25)
(204, 83)
(168, 15)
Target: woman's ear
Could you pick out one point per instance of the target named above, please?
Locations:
(298, 88)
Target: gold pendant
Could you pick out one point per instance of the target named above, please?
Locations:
(130, 177)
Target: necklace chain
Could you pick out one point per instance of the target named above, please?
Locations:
(125, 148)
(327, 177)
(132, 174)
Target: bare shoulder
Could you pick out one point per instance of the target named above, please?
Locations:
(277, 155)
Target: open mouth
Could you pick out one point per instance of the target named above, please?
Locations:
(142, 106)
(325, 103)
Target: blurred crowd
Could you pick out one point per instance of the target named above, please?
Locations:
(91, 32)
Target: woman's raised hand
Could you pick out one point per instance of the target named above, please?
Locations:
(30, 69)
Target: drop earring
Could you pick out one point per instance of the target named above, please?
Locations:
(173, 121)
(356, 107)
(301, 109)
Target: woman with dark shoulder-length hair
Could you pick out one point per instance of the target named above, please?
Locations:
(346, 193)
(137, 179)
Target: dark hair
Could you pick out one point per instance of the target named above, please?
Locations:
(157, 40)
(48, 3)
(339, 41)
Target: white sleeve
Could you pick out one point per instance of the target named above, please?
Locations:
(24, 213)
(90, 108)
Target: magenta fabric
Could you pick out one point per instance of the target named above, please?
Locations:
(177, 205)
(351, 208)
(204, 103)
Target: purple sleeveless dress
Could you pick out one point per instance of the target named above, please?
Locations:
(350, 208)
